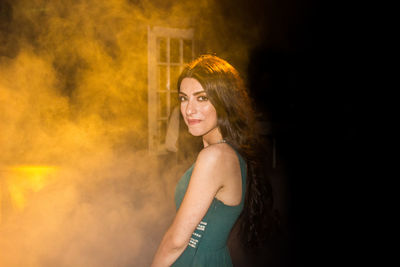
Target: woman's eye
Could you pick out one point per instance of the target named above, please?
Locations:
(181, 98)
(202, 98)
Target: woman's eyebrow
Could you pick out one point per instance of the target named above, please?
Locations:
(195, 93)
(199, 92)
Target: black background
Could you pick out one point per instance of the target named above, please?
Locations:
(302, 76)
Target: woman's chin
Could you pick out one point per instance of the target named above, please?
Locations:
(196, 132)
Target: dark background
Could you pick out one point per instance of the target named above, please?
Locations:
(303, 81)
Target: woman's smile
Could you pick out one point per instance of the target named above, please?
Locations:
(193, 121)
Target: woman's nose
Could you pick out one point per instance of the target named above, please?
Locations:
(190, 108)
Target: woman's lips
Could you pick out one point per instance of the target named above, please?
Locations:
(193, 121)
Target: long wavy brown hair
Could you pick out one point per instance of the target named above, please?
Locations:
(227, 92)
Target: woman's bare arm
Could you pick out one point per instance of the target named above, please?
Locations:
(206, 180)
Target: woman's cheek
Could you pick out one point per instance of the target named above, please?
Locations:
(210, 111)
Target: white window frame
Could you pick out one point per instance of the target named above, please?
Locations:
(153, 114)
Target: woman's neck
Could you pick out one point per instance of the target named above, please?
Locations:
(212, 137)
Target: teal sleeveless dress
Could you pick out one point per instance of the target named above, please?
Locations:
(208, 245)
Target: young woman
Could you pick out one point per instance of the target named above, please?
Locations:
(217, 188)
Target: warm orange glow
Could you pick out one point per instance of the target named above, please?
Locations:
(24, 180)
(74, 94)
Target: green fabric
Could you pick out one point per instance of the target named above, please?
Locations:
(208, 244)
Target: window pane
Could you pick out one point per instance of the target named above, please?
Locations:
(174, 100)
(174, 74)
(162, 131)
(162, 104)
(175, 50)
(187, 51)
(162, 49)
(162, 78)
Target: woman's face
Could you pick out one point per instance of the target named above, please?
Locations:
(199, 114)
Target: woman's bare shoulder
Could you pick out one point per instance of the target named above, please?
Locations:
(221, 155)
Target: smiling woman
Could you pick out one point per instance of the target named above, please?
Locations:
(219, 187)
(198, 113)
